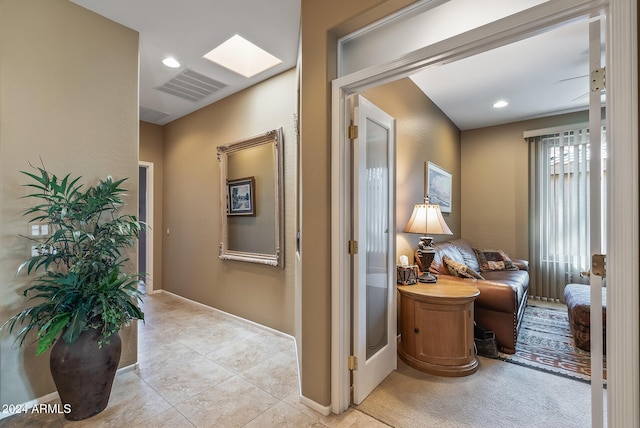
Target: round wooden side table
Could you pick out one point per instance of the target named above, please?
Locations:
(436, 326)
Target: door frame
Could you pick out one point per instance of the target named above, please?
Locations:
(623, 227)
(148, 166)
(595, 226)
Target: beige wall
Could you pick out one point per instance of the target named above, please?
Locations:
(495, 183)
(322, 22)
(192, 269)
(152, 150)
(424, 134)
(68, 96)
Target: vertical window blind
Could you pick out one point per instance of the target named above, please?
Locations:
(559, 210)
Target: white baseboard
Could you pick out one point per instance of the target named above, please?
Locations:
(129, 368)
(253, 323)
(324, 410)
(21, 408)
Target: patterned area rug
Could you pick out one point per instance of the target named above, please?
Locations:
(545, 343)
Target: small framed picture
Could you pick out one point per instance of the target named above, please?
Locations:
(439, 187)
(241, 194)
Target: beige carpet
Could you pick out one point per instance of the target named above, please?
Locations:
(498, 395)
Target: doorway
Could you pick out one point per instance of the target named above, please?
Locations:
(145, 215)
(474, 41)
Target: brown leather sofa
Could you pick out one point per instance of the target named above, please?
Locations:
(503, 293)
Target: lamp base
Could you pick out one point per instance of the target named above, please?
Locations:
(426, 254)
(427, 277)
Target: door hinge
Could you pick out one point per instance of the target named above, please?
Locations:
(598, 79)
(599, 265)
(353, 363)
(353, 132)
(353, 247)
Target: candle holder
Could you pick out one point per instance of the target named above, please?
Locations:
(407, 275)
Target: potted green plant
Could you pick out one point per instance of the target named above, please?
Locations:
(82, 297)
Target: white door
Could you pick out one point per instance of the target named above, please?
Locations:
(597, 220)
(373, 263)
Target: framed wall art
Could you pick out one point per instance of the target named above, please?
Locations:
(438, 186)
(242, 198)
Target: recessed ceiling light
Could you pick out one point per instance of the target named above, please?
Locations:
(240, 55)
(500, 104)
(171, 62)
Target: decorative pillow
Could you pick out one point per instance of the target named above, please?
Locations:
(444, 249)
(468, 256)
(460, 269)
(491, 260)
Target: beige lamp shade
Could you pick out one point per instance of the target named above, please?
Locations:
(427, 219)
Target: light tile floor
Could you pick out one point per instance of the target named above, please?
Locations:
(201, 368)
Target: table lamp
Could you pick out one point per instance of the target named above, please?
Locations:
(427, 219)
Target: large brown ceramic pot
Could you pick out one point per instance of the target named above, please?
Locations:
(84, 373)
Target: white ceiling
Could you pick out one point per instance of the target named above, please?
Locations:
(537, 76)
(188, 29)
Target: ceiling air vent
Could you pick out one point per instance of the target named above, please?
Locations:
(191, 86)
(153, 116)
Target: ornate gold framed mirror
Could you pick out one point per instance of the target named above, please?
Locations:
(251, 200)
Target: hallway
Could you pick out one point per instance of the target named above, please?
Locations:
(201, 368)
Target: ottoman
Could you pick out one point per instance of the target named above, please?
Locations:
(578, 300)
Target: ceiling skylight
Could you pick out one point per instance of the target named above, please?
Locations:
(240, 55)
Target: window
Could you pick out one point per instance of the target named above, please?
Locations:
(560, 200)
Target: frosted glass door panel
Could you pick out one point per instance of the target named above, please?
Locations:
(377, 228)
